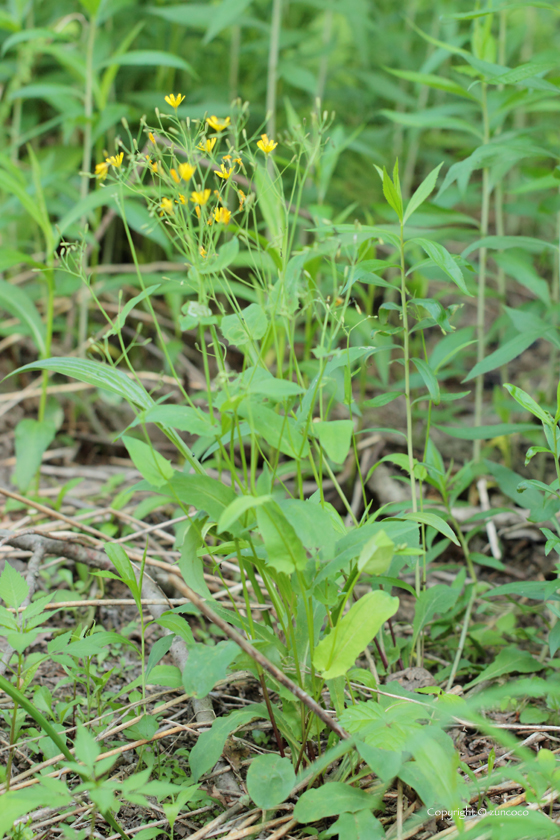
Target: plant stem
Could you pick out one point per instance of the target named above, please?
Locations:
(406, 351)
(86, 165)
(462, 640)
(481, 298)
(273, 50)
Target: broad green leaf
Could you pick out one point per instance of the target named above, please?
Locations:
(32, 439)
(502, 243)
(120, 560)
(285, 551)
(280, 432)
(190, 564)
(337, 652)
(276, 389)
(193, 15)
(202, 492)
(431, 81)
(237, 508)
(249, 325)
(224, 15)
(509, 660)
(225, 256)
(332, 799)
(50, 793)
(33, 34)
(436, 599)
(335, 436)
(270, 780)
(150, 464)
(429, 378)
(443, 259)
(504, 354)
(177, 625)
(434, 521)
(361, 825)
(387, 729)
(149, 58)
(158, 650)
(97, 374)
(195, 421)
(422, 193)
(487, 432)
(376, 555)
(13, 587)
(517, 264)
(208, 748)
(529, 404)
(270, 204)
(206, 665)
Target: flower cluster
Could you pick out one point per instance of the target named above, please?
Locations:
(102, 169)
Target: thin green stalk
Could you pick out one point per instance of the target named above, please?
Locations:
(406, 352)
(272, 80)
(462, 640)
(86, 166)
(481, 297)
(235, 45)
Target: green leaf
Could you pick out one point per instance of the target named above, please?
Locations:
(529, 404)
(443, 259)
(249, 325)
(237, 508)
(150, 464)
(284, 548)
(270, 780)
(359, 826)
(96, 374)
(120, 560)
(422, 193)
(208, 748)
(504, 354)
(436, 599)
(509, 660)
(127, 309)
(158, 650)
(270, 204)
(203, 492)
(487, 432)
(177, 625)
(149, 58)
(206, 665)
(335, 436)
(224, 15)
(434, 521)
(195, 421)
(386, 729)
(13, 587)
(332, 799)
(226, 255)
(337, 652)
(429, 378)
(376, 555)
(32, 439)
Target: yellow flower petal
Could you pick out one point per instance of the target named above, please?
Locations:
(174, 100)
(217, 124)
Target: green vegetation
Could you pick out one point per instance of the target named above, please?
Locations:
(279, 318)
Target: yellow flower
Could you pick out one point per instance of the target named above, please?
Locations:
(242, 197)
(226, 157)
(217, 124)
(202, 251)
(223, 172)
(238, 161)
(116, 160)
(200, 196)
(174, 175)
(154, 166)
(207, 144)
(152, 138)
(173, 100)
(186, 171)
(166, 206)
(222, 215)
(101, 170)
(181, 199)
(197, 211)
(266, 145)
